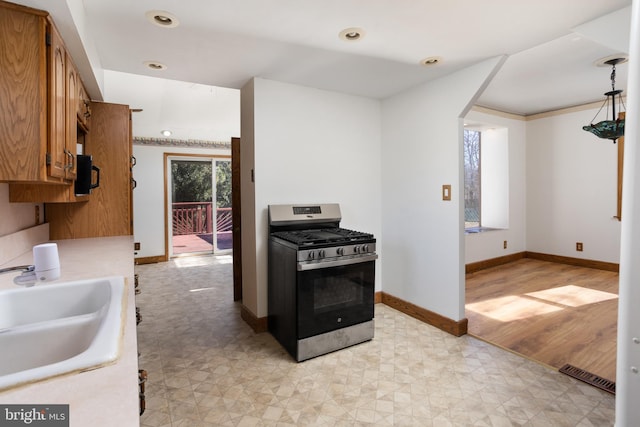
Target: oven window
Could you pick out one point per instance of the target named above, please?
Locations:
(335, 293)
(332, 298)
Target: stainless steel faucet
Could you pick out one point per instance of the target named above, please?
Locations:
(26, 278)
(17, 267)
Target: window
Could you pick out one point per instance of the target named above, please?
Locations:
(486, 179)
(472, 179)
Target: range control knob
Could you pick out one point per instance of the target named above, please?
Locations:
(340, 251)
(311, 255)
(365, 248)
(321, 253)
(356, 249)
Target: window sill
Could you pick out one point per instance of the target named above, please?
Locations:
(476, 230)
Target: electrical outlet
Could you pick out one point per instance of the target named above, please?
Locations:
(579, 246)
(504, 244)
(136, 246)
(37, 214)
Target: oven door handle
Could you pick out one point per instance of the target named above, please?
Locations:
(315, 265)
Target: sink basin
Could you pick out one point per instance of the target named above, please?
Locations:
(53, 329)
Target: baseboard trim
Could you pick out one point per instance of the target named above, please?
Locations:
(457, 328)
(377, 297)
(493, 262)
(150, 259)
(258, 324)
(579, 262)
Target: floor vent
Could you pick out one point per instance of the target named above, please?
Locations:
(589, 378)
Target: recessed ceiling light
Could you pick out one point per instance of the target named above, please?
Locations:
(432, 60)
(162, 18)
(351, 34)
(155, 65)
(166, 132)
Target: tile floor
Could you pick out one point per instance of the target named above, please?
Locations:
(206, 367)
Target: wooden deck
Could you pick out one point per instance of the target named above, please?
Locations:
(196, 243)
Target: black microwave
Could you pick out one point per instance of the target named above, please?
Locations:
(84, 175)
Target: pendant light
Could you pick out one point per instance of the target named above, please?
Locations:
(614, 128)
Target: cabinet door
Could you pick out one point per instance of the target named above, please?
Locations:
(23, 95)
(72, 118)
(57, 156)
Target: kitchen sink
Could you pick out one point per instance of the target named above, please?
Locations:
(54, 329)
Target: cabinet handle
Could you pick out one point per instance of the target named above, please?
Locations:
(142, 378)
(143, 403)
(133, 161)
(134, 184)
(71, 164)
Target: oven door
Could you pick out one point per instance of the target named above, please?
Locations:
(336, 296)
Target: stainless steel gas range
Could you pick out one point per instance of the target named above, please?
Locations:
(321, 280)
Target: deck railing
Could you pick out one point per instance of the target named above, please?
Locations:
(196, 218)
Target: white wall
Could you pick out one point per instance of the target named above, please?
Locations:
(628, 351)
(311, 146)
(16, 216)
(562, 190)
(190, 111)
(494, 178)
(148, 196)
(571, 189)
(487, 245)
(422, 150)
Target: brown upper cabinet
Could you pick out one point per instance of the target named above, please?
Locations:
(108, 210)
(40, 101)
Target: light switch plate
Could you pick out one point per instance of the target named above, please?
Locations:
(446, 192)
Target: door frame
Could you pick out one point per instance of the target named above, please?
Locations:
(167, 175)
(236, 218)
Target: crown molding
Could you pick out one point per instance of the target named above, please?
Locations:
(186, 143)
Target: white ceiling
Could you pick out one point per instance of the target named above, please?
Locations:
(552, 46)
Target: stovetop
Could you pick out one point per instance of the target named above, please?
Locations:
(311, 237)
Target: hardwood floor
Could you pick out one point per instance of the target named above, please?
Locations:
(549, 312)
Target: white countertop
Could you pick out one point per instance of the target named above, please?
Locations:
(107, 396)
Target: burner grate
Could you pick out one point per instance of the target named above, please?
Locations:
(589, 378)
(320, 236)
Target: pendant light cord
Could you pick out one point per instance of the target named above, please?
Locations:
(606, 101)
